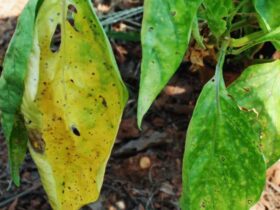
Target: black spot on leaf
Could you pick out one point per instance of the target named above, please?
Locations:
(75, 130)
(104, 102)
(246, 89)
(173, 13)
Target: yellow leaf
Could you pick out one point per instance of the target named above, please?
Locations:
(73, 101)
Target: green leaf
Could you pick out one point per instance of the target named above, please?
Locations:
(223, 167)
(216, 13)
(124, 36)
(12, 84)
(166, 30)
(257, 89)
(269, 15)
(17, 148)
(73, 102)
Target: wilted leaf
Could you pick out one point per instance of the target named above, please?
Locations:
(258, 90)
(12, 87)
(223, 167)
(166, 30)
(73, 102)
(269, 15)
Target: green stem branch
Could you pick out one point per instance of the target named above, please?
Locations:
(219, 81)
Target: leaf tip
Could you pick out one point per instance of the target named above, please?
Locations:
(139, 119)
(145, 100)
(15, 177)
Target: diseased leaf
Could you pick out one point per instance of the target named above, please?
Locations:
(216, 13)
(166, 30)
(73, 102)
(12, 87)
(257, 90)
(269, 15)
(223, 166)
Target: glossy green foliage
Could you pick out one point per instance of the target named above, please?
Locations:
(166, 30)
(257, 90)
(12, 86)
(216, 14)
(223, 168)
(269, 15)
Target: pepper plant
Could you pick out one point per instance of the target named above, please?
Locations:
(62, 97)
(234, 133)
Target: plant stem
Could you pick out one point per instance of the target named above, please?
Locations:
(246, 39)
(219, 81)
(235, 11)
(254, 39)
(243, 23)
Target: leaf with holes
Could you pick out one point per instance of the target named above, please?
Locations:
(12, 87)
(72, 102)
(166, 30)
(223, 167)
(258, 90)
